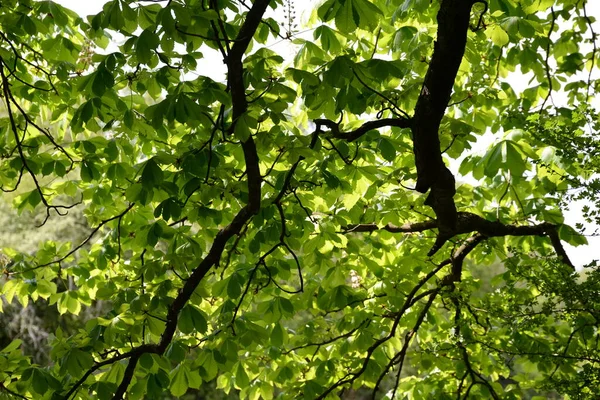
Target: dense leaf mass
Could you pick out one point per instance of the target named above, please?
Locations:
(304, 227)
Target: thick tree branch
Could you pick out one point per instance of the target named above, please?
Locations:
(334, 127)
(459, 257)
(130, 354)
(235, 82)
(127, 376)
(453, 24)
(240, 105)
(558, 247)
(468, 222)
(409, 227)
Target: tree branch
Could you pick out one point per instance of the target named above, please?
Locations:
(409, 227)
(8, 99)
(82, 243)
(141, 349)
(468, 222)
(459, 257)
(408, 302)
(334, 127)
(546, 64)
(453, 24)
(558, 247)
(330, 340)
(401, 355)
(237, 88)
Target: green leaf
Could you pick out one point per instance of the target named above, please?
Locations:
(115, 374)
(192, 319)
(328, 38)
(89, 172)
(58, 13)
(87, 109)
(103, 80)
(185, 322)
(78, 361)
(328, 10)
(157, 382)
(154, 233)
(242, 127)
(505, 156)
(45, 289)
(497, 35)
(388, 151)
(368, 14)
(128, 119)
(277, 336)
(241, 377)
(38, 382)
(179, 383)
(152, 174)
(146, 44)
(346, 19)
(13, 345)
(175, 352)
(234, 288)
(69, 302)
(146, 361)
(571, 236)
(404, 36)
(186, 175)
(28, 25)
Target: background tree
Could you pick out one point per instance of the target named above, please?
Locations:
(36, 321)
(296, 230)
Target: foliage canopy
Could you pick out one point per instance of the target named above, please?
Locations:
(295, 230)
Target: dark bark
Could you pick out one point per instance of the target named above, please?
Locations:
(467, 223)
(432, 174)
(334, 128)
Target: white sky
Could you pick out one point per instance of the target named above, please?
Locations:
(208, 66)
